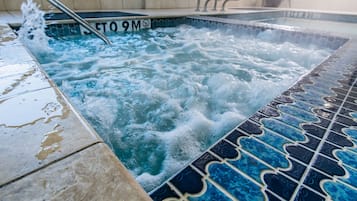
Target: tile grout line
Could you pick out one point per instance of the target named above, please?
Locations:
(318, 149)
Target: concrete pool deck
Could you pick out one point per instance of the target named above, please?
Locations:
(47, 150)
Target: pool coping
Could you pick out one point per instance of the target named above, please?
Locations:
(10, 188)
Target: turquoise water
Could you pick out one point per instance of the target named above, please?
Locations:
(161, 97)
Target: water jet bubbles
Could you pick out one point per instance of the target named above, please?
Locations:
(32, 31)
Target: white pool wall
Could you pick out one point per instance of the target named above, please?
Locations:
(325, 5)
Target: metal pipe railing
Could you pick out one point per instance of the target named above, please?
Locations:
(78, 19)
(198, 5)
(224, 4)
(205, 6)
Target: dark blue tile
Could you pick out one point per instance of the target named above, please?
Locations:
(314, 130)
(336, 127)
(250, 128)
(296, 170)
(327, 149)
(313, 180)
(350, 106)
(257, 117)
(280, 185)
(274, 104)
(211, 194)
(271, 197)
(312, 142)
(304, 194)
(225, 150)
(203, 160)
(328, 166)
(325, 123)
(340, 140)
(270, 112)
(300, 153)
(234, 136)
(346, 121)
(235, 183)
(284, 99)
(333, 101)
(164, 192)
(188, 181)
(343, 92)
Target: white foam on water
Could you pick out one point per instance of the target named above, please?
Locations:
(32, 31)
(161, 97)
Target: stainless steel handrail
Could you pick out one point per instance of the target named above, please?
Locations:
(224, 4)
(78, 19)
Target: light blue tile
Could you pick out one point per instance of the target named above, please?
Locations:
(264, 152)
(347, 157)
(352, 179)
(292, 121)
(298, 113)
(283, 129)
(351, 132)
(250, 166)
(339, 191)
(274, 140)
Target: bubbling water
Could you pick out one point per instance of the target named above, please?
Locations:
(32, 32)
(161, 97)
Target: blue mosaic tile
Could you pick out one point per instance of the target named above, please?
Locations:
(188, 181)
(250, 166)
(271, 197)
(347, 157)
(234, 136)
(302, 105)
(338, 128)
(280, 185)
(346, 121)
(211, 194)
(350, 106)
(273, 140)
(225, 150)
(203, 161)
(352, 177)
(305, 194)
(296, 170)
(236, 184)
(290, 120)
(311, 142)
(300, 153)
(164, 192)
(257, 117)
(340, 140)
(270, 112)
(327, 149)
(264, 152)
(340, 192)
(250, 127)
(283, 129)
(306, 116)
(313, 180)
(314, 130)
(328, 166)
(352, 132)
